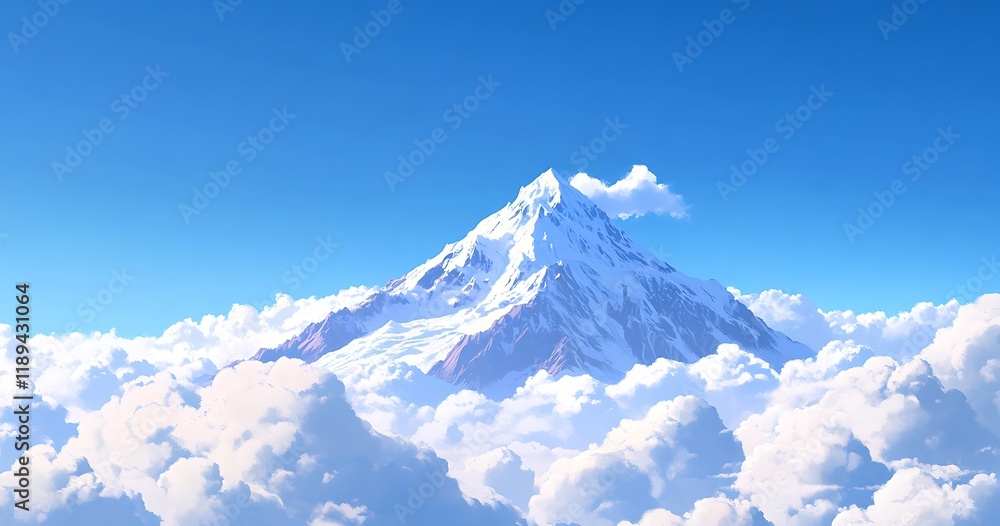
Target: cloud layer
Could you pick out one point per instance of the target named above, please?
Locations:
(894, 419)
(272, 443)
(847, 437)
(901, 335)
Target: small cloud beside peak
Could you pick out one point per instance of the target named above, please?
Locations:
(634, 196)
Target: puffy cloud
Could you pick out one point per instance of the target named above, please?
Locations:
(715, 511)
(822, 435)
(504, 449)
(899, 336)
(721, 512)
(677, 453)
(835, 430)
(634, 196)
(501, 470)
(657, 517)
(83, 371)
(330, 514)
(162, 430)
(732, 380)
(914, 496)
(260, 444)
(966, 356)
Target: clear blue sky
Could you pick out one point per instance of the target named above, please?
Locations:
(323, 174)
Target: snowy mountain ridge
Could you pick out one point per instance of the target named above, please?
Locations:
(548, 282)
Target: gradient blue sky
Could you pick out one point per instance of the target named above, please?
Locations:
(323, 175)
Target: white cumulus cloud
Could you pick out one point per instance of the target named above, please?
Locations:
(895, 415)
(966, 356)
(263, 443)
(900, 335)
(634, 196)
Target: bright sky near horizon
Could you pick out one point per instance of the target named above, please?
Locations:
(775, 122)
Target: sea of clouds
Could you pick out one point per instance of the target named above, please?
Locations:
(895, 421)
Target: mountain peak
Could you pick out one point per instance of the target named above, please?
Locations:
(548, 188)
(548, 282)
(550, 179)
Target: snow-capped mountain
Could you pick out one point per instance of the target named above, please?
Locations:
(548, 282)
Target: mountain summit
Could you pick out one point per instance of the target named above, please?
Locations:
(548, 282)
